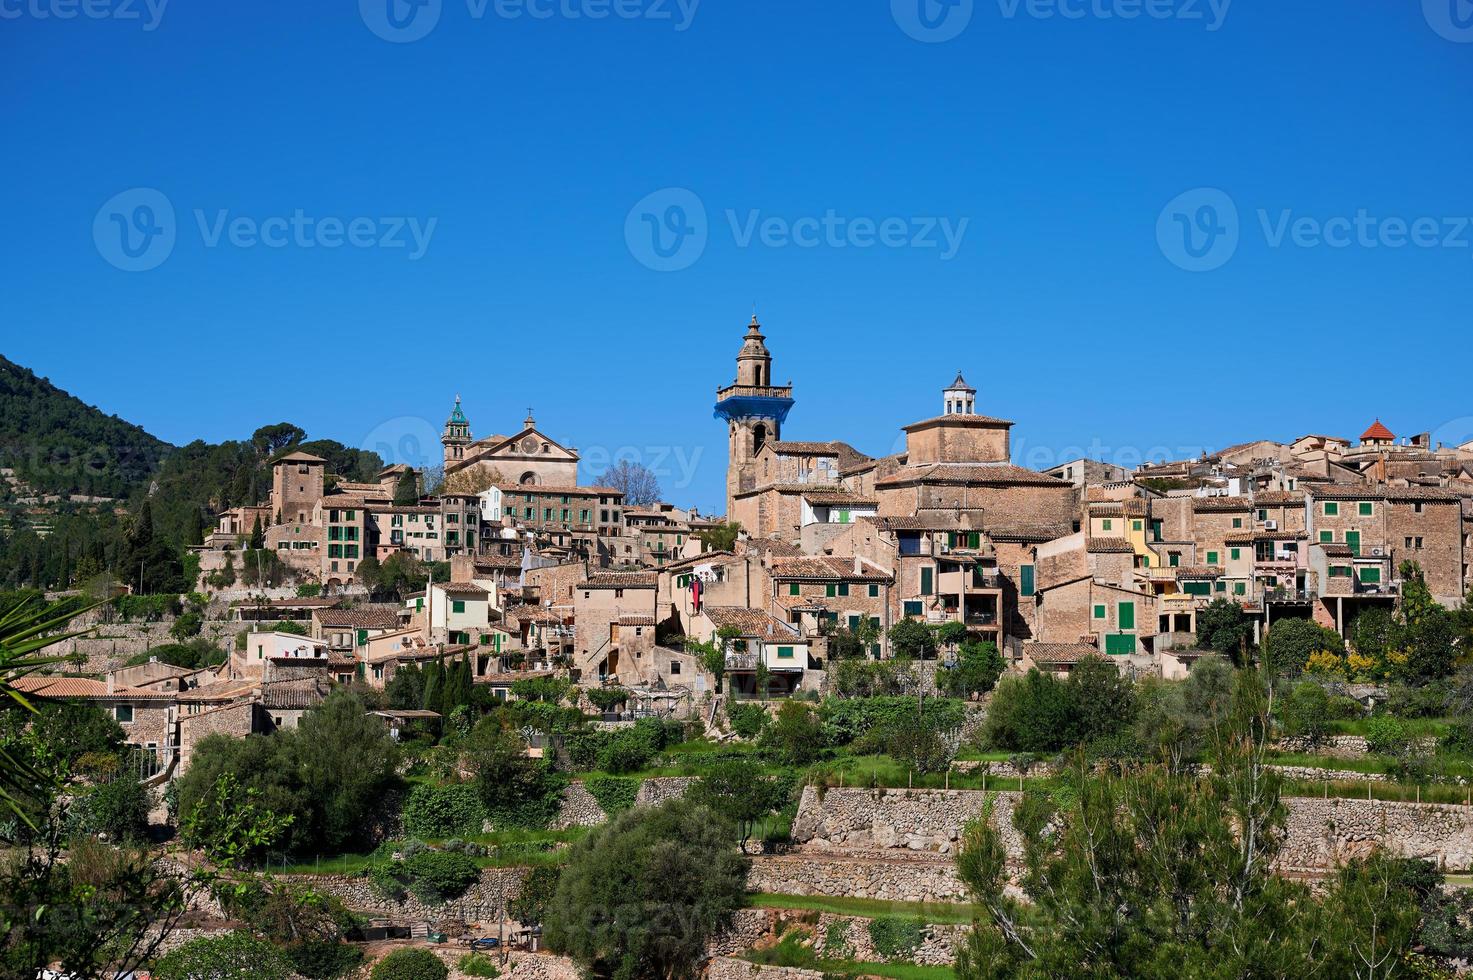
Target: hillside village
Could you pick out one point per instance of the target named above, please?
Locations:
(546, 577)
(873, 643)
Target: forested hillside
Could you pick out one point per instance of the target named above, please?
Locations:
(169, 498)
(58, 444)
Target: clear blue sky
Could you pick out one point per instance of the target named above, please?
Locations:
(528, 141)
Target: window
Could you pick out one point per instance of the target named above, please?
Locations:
(1025, 580)
(1263, 514)
(927, 576)
(911, 608)
(1367, 508)
(795, 589)
(1175, 558)
(1417, 507)
(1235, 553)
(1371, 573)
(1340, 571)
(1326, 537)
(1240, 588)
(674, 668)
(1099, 612)
(874, 590)
(1221, 585)
(1135, 525)
(1332, 509)
(785, 653)
(1237, 522)
(1125, 613)
(124, 714)
(1106, 524)
(843, 588)
(830, 590)
(1212, 558)
(457, 605)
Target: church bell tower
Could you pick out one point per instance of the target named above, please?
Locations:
(754, 410)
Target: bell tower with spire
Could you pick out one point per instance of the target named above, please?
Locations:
(754, 410)
(457, 437)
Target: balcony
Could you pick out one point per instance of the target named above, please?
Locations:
(1301, 597)
(741, 661)
(754, 391)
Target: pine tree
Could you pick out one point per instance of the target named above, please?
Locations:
(258, 537)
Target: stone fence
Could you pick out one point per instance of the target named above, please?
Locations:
(580, 809)
(1321, 833)
(727, 968)
(485, 901)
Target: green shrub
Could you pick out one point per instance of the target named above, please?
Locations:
(836, 942)
(478, 965)
(116, 809)
(438, 876)
(233, 956)
(847, 719)
(746, 719)
(411, 964)
(895, 937)
(1387, 736)
(323, 960)
(614, 793)
(438, 812)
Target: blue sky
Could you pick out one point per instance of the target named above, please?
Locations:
(1056, 148)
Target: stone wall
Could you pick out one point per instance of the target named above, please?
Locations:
(913, 878)
(1321, 833)
(1327, 832)
(938, 948)
(726, 968)
(485, 901)
(580, 808)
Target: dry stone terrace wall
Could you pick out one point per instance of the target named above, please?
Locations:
(726, 968)
(1321, 833)
(910, 878)
(580, 809)
(484, 901)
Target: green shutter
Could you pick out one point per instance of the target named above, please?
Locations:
(1352, 541)
(795, 589)
(874, 590)
(843, 588)
(1371, 573)
(1119, 644)
(1235, 553)
(1367, 508)
(1240, 588)
(1127, 615)
(830, 590)
(457, 605)
(1025, 580)
(926, 581)
(1332, 509)
(785, 653)
(1327, 537)
(1212, 558)
(1099, 612)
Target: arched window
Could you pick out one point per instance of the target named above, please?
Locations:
(528, 479)
(759, 438)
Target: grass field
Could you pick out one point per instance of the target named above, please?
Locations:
(790, 951)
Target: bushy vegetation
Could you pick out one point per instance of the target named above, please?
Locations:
(332, 778)
(642, 895)
(438, 812)
(410, 964)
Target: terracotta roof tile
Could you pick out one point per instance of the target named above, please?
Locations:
(83, 688)
(751, 622)
(359, 619)
(1100, 546)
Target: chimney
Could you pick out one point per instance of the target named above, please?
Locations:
(112, 682)
(858, 566)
